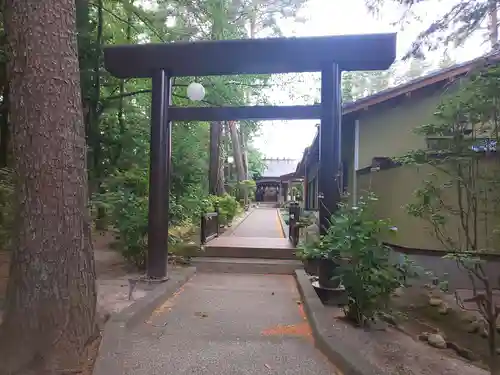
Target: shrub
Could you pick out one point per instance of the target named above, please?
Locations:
(227, 205)
(126, 203)
(354, 242)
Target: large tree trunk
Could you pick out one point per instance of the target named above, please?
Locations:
(238, 158)
(51, 295)
(493, 24)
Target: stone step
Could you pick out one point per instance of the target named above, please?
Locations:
(246, 265)
(248, 252)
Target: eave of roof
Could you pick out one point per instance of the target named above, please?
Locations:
(406, 88)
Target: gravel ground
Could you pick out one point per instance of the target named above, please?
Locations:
(395, 353)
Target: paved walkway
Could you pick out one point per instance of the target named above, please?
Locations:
(262, 223)
(227, 325)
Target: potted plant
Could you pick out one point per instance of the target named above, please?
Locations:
(355, 239)
(310, 254)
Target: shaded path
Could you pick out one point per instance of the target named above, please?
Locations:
(262, 223)
(227, 325)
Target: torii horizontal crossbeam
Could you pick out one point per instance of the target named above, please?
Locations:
(252, 56)
(261, 112)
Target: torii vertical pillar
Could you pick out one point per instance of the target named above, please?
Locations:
(329, 145)
(213, 165)
(159, 176)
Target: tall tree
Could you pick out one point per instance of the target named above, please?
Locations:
(416, 69)
(446, 60)
(51, 295)
(463, 19)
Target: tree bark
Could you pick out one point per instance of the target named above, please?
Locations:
(51, 295)
(4, 129)
(238, 159)
(493, 24)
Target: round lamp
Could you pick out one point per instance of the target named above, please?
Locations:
(230, 159)
(195, 91)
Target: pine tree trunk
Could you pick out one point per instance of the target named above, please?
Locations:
(238, 159)
(51, 295)
(493, 23)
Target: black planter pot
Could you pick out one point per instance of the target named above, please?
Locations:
(311, 266)
(326, 271)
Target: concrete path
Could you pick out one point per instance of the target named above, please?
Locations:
(262, 223)
(227, 325)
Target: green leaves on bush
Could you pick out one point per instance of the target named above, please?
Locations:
(353, 241)
(227, 205)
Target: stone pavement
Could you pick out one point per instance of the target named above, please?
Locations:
(261, 222)
(226, 324)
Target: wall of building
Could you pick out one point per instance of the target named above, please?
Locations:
(389, 130)
(395, 188)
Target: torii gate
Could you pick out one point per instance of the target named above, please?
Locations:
(329, 55)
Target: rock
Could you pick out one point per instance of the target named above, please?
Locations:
(472, 327)
(435, 301)
(467, 317)
(424, 336)
(436, 341)
(376, 325)
(444, 309)
(398, 292)
(463, 352)
(388, 318)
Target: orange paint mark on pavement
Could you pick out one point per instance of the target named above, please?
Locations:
(167, 305)
(301, 329)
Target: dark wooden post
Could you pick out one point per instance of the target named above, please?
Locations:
(329, 145)
(159, 177)
(217, 219)
(305, 187)
(203, 228)
(213, 172)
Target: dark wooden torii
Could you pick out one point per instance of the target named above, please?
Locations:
(329, 55)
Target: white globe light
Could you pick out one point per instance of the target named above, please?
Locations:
(230, 159)
(195, 91)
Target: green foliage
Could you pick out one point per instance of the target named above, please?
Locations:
(126, 203)
(353, 241)
(460, 197)
(248, 186)
(227, 206)
(451, 28)
(366, 270)
(256, 165)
